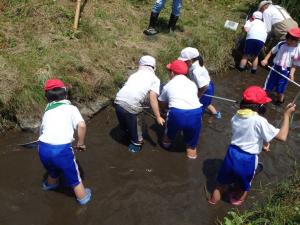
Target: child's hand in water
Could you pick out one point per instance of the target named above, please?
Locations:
(266, 147)
(80, 148)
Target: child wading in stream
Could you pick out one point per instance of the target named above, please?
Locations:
(55, 150)
(255, 39)
(249, 132)
(285, 62)
(200, 76)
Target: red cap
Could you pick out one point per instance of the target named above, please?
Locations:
(255, 95)
(295, 32)
(53, 83)
(178, 67)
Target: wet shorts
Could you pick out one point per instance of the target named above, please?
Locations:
(238, 167)
(59, 160)
(274, 80)
(205, 100)
(187, 121)
(253, 47)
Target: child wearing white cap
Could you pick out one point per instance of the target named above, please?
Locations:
(255, 39)
(140, 87)
(199, 74)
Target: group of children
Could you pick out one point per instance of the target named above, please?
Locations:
(185, 97)
(287, 54)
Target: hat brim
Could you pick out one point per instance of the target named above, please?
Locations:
(267, 100)
(295, 33)
(183, 59)
(265, 3)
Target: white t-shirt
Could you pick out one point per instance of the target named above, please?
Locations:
(274, 14)
(286, 56)
(248, 133)
(135, 90)
(58, 124)
(256, 30)
(181, 93)
(199, 75)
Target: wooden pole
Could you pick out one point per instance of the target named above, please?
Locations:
(77, 13)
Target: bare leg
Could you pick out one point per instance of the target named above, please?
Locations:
(243, 62)
(239, 198)
(217, 194)
(191, 153)
(51, 181)
(255, 63)
(280, 97)
(79, 191)
(212, 109)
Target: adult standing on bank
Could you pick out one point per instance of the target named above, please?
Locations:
(157, 7)
(180, 95)
(278, 21)
(140, 87)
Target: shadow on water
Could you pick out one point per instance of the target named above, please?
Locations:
(210, 169)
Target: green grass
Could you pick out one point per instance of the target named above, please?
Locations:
(292, 6)
(37, 42)
(282, 207)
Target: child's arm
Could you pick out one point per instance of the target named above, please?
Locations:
(284, 130)
(155, 107)
(265, 61)
(292, 72)
(81, 130)
(266, 146)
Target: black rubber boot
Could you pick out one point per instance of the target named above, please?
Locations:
(152, 24)
(172, 23)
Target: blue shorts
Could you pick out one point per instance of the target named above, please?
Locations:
(187, 121)
(238, 167)
(253, 47)
(59, 160)
(131, 124)
(205, 100)
(274, 80)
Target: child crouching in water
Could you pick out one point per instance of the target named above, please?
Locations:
(56, 135)
(249, 131)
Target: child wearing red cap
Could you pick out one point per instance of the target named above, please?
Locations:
(249, 132)
(285, 62)
(56, 135)
(180, 95)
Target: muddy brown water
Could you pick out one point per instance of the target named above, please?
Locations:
(155, 186)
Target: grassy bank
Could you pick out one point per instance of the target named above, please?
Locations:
(37, 42)
(281, 207)
(292, 6)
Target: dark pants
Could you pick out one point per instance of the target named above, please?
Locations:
(130, 123)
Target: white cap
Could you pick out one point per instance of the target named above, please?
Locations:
(147, 60)
(257, 15)
(188, 54)
(263, 3)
